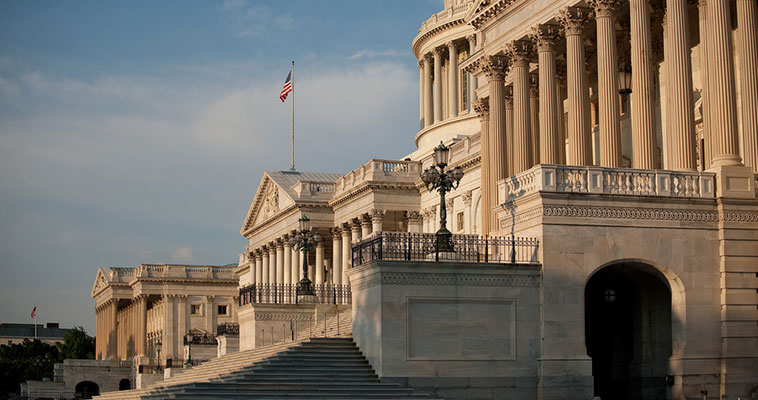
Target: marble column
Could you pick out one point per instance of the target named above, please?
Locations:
(487, 184)
(258, 267)
(574, 21)
(721, 85)
(545, 36)
(355, 229)
(347, 253)
(702, 7)
(680, 87)
(169, 328)
(264, 265)
(377, 219)
(428, 102)
(437, 53)
(643, 127)
(495, 68)
(336, 257)
(520, 52)
(181, 323)
(210, 314)
(452, 87)
(748, 42)
(421, 93)
(113, 336)
(534, 119)
(365, 226)
(295, 266)
(319, 267)
(509, 129)
(415, 221)
(287, 261)
(142, 325)
(471, 78)
(607, 82)
(272, 263)
(279, 261)
(560, 84)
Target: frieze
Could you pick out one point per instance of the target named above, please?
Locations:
(631, 213)
(282, 316)
(449, 280)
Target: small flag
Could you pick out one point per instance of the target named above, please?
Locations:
(287, 88)
(34, 312)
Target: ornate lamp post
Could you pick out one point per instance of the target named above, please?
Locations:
(443, 182)
(304, 241)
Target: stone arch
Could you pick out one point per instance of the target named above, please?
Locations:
(631, 328)
(86, 389)
(124, 384)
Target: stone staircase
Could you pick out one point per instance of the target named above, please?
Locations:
(310, 367)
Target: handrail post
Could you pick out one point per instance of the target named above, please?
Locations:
(410, 243)
(486, 249)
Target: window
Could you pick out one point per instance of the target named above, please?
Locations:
(465, 91)
(196, 309)
(460, 221)
(221, 310)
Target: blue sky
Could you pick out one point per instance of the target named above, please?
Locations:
(137, 132)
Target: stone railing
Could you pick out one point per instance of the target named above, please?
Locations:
(184, 271)
(379, 171)
(446, 15)
(617, 181)
(313, 188)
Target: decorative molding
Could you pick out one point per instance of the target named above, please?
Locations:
(574, 20)
(282, 316)
(437, 279)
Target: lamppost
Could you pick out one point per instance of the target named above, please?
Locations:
(304, 241)
(443, 182)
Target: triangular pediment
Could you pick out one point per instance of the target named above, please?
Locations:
(269, 199)
(100, 283)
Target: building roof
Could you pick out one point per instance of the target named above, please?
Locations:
(287, 179)
(11, 330)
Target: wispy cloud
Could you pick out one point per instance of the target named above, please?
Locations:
(254, 20)
(376, 54)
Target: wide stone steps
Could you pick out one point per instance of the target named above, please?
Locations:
(317, 368)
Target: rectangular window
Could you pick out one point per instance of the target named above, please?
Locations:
(464, 91)
(460, 221)
(222, 310)
(196, 309)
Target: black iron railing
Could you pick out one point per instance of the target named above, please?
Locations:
(402, 246)
(279, 293)
(201, 339)
(228, 328)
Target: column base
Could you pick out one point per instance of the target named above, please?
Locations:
(734, 181)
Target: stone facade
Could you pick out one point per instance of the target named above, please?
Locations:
(617, 135)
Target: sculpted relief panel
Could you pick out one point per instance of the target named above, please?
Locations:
(271, 201)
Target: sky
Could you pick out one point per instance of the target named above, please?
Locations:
(137, 132)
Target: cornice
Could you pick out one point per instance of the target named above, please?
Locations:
(423, 37)
(281, 213)
(447, 279)
(490, 11)
(369, 186)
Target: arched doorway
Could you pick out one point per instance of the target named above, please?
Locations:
(87, 389)
(124, 384)
(628, 331)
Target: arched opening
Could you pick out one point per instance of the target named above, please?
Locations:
(628, 331)
(86, 389)
(124, 384)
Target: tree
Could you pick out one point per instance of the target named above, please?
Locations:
(30, 360)
(77, 345)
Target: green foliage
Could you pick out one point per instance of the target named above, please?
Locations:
(30, 360)
(77, 345)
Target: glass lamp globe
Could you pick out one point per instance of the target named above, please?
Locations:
(441, 154)
(305, 223)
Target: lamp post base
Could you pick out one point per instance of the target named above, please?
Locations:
(444, 241)
(304, 288)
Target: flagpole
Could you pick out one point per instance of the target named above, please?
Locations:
(292, 165)
(35, 323)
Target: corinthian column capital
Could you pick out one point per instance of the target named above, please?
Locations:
(482, 107)
(604, 8)
(545, 36)
(574, 19)
(495, 67)
(521, 52)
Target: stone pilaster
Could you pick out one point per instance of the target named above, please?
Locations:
(509, 129)
(181, 323)
(169, 327)
(607, 78)
(643, 127)
(487, 183)
(520, 52)
(534, 118)
(347, 254)
(336, 256)
(545, 36)
(356, 229)
(210, 314)
(471, 78)
(366, 226)
(287, 260)
(414, 221)
(428, 102)
(437, 53)
(452, 87)
(574, 20)
(495, 67)
(377, 218)
(680, 88)
(265, 253)
(279, 261)
(748, 42)
(560, 84)
(721, 86)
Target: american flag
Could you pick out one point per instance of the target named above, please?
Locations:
(34, 312)
(287, 88)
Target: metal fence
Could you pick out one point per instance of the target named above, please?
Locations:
(279, 293)
(228, 328)
(402, 246)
